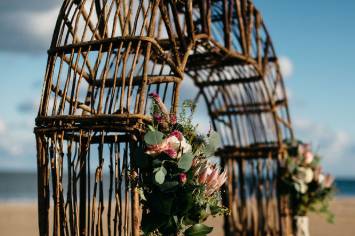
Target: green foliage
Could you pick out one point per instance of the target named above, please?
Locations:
(198, 230)
(213, 142)
(142, 159)
(317, 196)
(153, 137)
(174, 202)
(185, 119)
(160, 174)
(185, 161)
(167, 186)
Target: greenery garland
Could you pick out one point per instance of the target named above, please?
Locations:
(304, 182)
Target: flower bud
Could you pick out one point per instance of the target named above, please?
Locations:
(182, 178)
(173, 119)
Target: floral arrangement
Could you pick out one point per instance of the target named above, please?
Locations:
(179, 186)
(307, 186)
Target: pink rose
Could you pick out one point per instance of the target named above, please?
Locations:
(308, 157)
(170, 152)
(177, 141)
(177, 134)
(154, 150)
(210, 177)
(174, 146)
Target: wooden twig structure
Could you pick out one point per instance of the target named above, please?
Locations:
(106, 56)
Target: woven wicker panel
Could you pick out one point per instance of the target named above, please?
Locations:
(106, 56)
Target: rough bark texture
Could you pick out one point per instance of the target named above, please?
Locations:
(106, 56)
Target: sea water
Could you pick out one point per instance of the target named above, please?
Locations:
(22, 186)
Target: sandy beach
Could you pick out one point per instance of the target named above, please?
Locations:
(19, 219)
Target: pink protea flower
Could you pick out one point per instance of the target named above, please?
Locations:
(204, 173)
(211, 177)
(182, 178)
(216, 181)
(328, 181)
(195, 162)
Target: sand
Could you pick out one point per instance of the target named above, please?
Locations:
(18, 219)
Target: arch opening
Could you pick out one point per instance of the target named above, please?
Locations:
(104, 60)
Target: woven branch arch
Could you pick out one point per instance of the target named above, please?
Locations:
(106, 56)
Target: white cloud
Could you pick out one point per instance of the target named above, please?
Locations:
(17, 145)
(2, 127)
(27, 30)
(16, 137)
(40, 24)
(290, 94)
(286, 66)
(337, 147)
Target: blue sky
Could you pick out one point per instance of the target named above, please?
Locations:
(314, 39)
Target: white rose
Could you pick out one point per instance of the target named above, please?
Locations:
(301, 187)
(173, 142)
(321, 178)
(185, 146)
(180, 147)
(304, 174)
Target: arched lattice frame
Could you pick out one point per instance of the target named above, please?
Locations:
(106, 56)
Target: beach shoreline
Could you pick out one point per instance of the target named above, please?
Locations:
(20, 218)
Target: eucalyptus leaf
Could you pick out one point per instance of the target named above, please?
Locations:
(215, 209)
(156, 163)
(213, 142)
(160, 175)
(141, 194)
(176, 219)
(214, 139)
(153, 137)
(164, 170)
(198, 230)
(185, 161)
(151, 128)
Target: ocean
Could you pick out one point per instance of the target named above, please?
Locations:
(22, 187)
